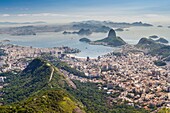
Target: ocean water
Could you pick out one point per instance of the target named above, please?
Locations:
(51, 39)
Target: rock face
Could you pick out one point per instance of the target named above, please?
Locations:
(112, 34)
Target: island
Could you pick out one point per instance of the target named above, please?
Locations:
(85, 40)
(141, 24)
(119, 29)
(6, 40)
(111, 40)
(159, 26)
(80, 32)
(153, 36)
(23, 32)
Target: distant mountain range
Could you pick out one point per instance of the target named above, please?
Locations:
(110, 24)
(91, 26)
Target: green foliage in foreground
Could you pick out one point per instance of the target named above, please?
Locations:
(50, 101)
(164, 110)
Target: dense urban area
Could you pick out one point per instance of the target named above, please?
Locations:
(130, 75)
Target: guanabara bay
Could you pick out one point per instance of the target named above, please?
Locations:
(84, 56)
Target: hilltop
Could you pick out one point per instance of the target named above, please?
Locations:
(148, 43)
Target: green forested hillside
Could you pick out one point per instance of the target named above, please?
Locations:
(31, 80)
(49, 101)
(38, 88)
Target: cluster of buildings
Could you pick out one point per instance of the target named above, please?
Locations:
(133, 75)
(18, 57)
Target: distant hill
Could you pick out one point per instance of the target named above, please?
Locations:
(147, 43)
(92, 23)
(80, 32)
(141, 24)
(110, 40)
(154, 47)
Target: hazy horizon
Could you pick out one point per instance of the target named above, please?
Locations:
(59, 11)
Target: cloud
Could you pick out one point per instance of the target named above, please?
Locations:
(5, 15)
(22, 15)
(153, 18)
(42, 15)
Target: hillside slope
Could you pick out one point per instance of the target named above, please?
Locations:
(39, 88)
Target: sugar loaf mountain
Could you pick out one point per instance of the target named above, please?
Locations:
(111, 40)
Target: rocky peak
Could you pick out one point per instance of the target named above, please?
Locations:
(112, 34)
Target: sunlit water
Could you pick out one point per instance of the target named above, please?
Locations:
(44, 40)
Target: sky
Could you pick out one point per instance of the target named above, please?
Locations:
(63, 11)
